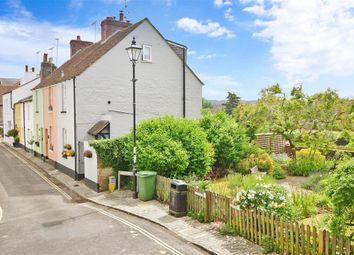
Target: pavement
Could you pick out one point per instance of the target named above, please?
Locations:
(204, 236)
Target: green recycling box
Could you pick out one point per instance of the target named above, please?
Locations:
(146, 185)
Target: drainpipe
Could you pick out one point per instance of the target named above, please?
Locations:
(24, 125)
(184, 81)
(75, 134)
(13, 112)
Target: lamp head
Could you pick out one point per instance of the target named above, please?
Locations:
(133, 51)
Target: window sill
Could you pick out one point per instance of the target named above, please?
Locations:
(146, 61)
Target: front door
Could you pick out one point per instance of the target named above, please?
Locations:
(46, 145)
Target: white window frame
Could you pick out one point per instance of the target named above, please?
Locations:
(143, 55)
(64, 135)
(36, 95)
(63, 97)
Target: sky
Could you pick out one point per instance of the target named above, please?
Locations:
(239, 46)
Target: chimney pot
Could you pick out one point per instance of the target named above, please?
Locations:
(32, 69)
(121, 16)
(77, 45)
(26, 68)
(110, 25)
(45, 57)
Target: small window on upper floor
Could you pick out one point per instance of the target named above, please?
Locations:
(147, 53)
(36, 98)
(63, 98)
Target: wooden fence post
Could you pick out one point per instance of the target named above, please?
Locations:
(228, 208)
(321, 242)
(207, 206)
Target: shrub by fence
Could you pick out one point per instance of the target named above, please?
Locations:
(285, 237)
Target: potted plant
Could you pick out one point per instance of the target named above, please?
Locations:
(63, 154)
(12, 132)
(67, 151)
(87, 154)
(36, 143)
(16, 142)
(70, 153)
(30, 142)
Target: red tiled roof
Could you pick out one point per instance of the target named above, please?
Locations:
(6, 89)
(85, 58)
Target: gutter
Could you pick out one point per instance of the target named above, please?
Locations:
(184, 81)
(75, 132)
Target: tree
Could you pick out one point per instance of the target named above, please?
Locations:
(227, 137)
(340, 190)
(206, 104)
(232, 102)
(302, 119)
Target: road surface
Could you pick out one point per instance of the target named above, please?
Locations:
(36, 218)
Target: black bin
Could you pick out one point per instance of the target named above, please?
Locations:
(178, 198)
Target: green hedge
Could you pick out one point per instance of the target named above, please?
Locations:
(173, 147)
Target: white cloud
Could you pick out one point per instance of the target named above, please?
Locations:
(216, 86)
(221, 3)
(191, 52)
(309, 38)
(210, 28)
(76, 4)
(228, 14)
(21, 38)
(18, 10)
(208, 56)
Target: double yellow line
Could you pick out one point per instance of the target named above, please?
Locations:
(66, 195)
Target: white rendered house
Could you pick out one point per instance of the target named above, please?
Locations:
(94, 89)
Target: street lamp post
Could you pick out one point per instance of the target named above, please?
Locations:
(134, 53)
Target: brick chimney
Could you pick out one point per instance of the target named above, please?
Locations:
(77, 45)
(46, 67)
(110, 25)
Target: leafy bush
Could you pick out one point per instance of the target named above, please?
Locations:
(226, 229)
(268, 244)
(266, 198)
(12, 132)
(258, 158)
(304, 205)
(279, 172)
(113, 152)
(173, 147)
(306, 162)
(233, 183)
(281, 158)
(340, 190)
(16, 139)
(314, 182)
(244, 166)
(344, 138)
(227, 137)
(264, 163)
